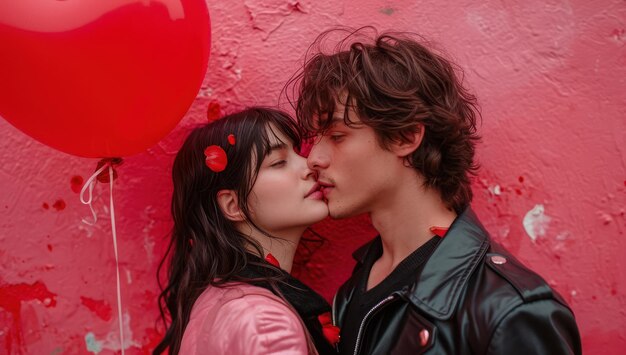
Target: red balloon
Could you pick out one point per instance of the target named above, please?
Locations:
(101, 78)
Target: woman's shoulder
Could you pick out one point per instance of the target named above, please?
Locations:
(241, 318)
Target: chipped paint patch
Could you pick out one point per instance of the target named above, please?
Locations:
(11, 298)
(93, 345)
(504, 231)
(605, 218)
(536, 222)
(268, 17)
(387, 11)
(112, 339)
(99, 307)
(563, 236)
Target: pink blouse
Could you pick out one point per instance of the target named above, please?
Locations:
(242, 319)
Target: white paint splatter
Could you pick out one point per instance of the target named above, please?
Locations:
(496, 190)
(129, 279)
(536, 222)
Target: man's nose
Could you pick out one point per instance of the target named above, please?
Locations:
(318, 158)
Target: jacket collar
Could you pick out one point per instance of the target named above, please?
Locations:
(305, 300)
(444, 276)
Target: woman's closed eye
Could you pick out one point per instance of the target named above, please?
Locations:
(278, 163)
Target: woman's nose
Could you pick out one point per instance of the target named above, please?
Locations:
(307, 172)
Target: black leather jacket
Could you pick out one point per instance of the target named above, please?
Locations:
(471, 297)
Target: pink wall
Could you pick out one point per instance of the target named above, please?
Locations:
(550, 79)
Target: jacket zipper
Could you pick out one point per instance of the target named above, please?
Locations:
(362, 326)
(334, 310)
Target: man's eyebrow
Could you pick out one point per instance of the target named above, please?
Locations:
(335, 121)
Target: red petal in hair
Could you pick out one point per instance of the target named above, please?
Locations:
(215, 158)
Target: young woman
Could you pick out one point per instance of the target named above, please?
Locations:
(242, 199)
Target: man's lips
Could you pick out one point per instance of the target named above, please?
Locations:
(323, 183)
(325, 187)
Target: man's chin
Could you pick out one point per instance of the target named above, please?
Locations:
(336, 212)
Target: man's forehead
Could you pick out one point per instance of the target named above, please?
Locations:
(338, 120)
(322, 120)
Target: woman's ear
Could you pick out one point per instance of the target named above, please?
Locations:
(403, 149)
(229, 204)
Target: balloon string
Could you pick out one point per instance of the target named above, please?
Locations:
(117, 263)
(88, 187)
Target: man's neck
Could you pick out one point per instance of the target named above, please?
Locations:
(404, 220)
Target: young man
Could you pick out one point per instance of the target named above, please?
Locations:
(395, 133)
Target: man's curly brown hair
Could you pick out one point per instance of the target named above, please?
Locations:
(396, 85)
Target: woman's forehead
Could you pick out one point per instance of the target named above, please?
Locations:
(276, 137)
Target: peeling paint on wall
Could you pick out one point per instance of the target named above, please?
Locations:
(99, 307)
(11, 298)
(536, 222)
(112, 340)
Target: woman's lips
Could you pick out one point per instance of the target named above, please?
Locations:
(316, 195)
(315, 192)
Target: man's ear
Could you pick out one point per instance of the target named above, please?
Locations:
(229, 204)
(403, 149)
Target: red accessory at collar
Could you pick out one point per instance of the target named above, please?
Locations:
(331, 332)
(439, 231)
(272, 260)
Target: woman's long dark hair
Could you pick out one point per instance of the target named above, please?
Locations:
(205, 247)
